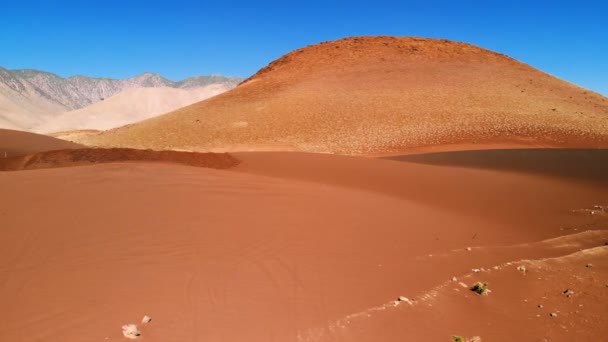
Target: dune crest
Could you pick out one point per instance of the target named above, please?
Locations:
(87, 156)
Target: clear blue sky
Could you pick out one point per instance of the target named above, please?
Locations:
(180, 38)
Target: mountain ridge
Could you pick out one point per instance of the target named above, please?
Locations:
(29, 97)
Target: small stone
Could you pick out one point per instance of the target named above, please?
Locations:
(540, 306)
(568, 293)
(476, 270)
(589, 265)
(522, 269)
(147, 319)
(553, 314)
(454, 279)
(469, 249)
(131, 331)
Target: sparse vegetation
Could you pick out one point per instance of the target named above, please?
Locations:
(480, 288)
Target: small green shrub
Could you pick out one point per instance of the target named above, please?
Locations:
(480, 288)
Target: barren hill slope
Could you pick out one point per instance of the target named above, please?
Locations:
(381, 95)
(130, 106)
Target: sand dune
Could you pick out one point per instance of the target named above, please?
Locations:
(24, 112)
(18, 143)
(574, 163)
(369, 95)
(302, 247)
(129, 106)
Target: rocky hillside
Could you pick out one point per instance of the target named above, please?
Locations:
(30, 97)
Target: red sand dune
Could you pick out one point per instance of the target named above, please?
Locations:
(373, 95)
(18, 143)
(304, 247)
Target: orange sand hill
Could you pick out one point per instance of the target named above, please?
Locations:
(18, 143)
(306, 247)
(369, 95)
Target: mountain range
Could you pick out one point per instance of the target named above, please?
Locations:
(29, 98)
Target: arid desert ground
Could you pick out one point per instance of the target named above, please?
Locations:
(353, 190)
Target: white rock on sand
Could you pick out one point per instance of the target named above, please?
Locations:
(131, 331)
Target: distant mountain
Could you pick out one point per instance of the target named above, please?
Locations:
(32, 97)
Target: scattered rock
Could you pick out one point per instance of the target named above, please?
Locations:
(480, 288)
(404, 299)
(462, 339)
(131, 331)
(147, 319)
(568, 293)
(553, 314)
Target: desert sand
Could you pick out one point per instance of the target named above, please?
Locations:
(292, 246)
(130, 106)
(373, 95)
(23, 112)
(18, 143)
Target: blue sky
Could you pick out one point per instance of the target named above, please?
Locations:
(181, 38)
